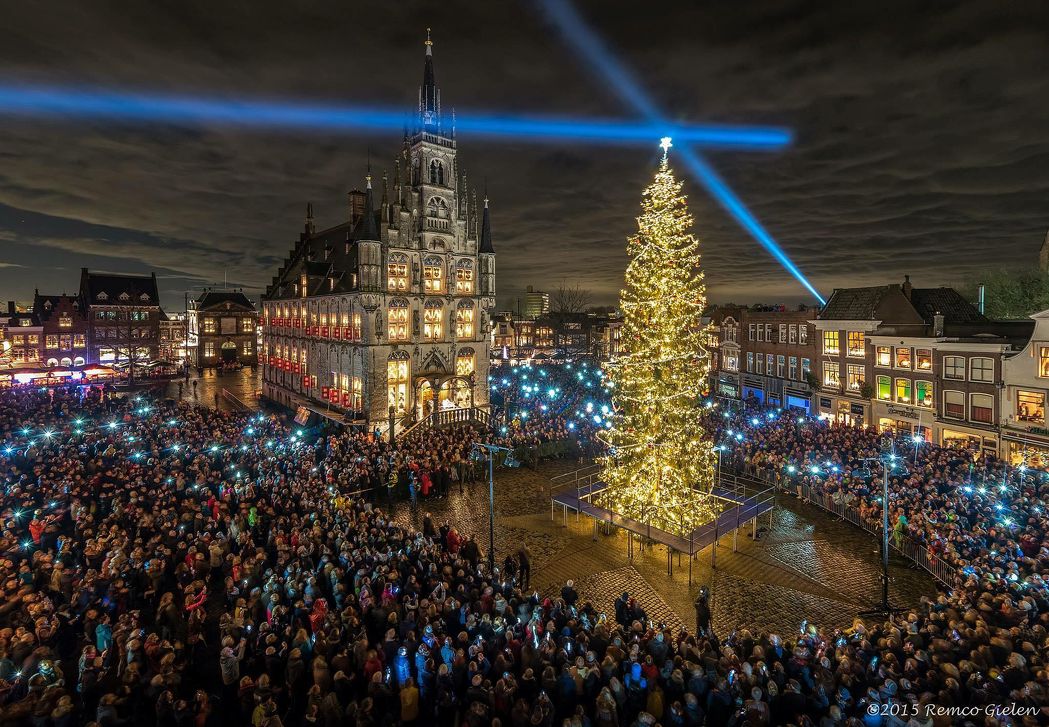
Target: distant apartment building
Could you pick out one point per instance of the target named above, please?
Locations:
(916, 361)
(763, 354)
(64, 329)
(123, 313)
(536, 303)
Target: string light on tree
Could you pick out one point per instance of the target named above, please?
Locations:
(661, 460)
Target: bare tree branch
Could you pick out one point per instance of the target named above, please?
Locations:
(569, 299)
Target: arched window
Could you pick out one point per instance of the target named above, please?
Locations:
(67, 361)
(52, 362)
(398, 320)
(398, 371)
(464, 277)
(436, 172)
(397, 273)
(464, 362)
(433, 320)
(464, 320)
(437, 207)
(433, 275)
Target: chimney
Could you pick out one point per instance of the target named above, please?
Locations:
(937, 324)
(981, 293)
(11, 307)
(907, 286)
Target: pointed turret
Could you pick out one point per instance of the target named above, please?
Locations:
(486, 232)
(369, 230)
(429, 93)
(311, 228)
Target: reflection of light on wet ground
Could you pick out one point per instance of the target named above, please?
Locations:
(243, 384)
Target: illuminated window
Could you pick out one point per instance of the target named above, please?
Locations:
(246, 349)
(883, 356)
(759, 364)
(356, 326)
(793, 334)
(65, 342)
(806, 367)
(398, 320)
(433, 275)
(1043, 362)
(209, 325)
(247, 325)
(398, 368)
(855, 377)
(464, 320)
(464, 362)
(79, 341)
(924, 392)
(781, 362)
(209, 349)
(803, 335)
(433, 317)
(793, 368)
(33, 339)
(397, 273)
(981, 369)
(65, 322)
(831, 373)
(464, 277)
(981, 408)
(732, 361)
(884, 388)
(923, 359)
(750, 361)
(356, 393)
(903, 357)
(830, 342)
(1030, 406)
(782, 332)
(855, 343)
(903, 391)
(954, 368)
(51, 341)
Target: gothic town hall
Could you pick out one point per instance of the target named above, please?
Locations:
(391, 307)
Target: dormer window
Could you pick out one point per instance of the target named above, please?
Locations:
(144, 298)
(124, 297)
(102, 296)
(433, 275)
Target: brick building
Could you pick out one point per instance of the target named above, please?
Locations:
(225, 323)
(123, 317)
(64, 329)
(764, 354)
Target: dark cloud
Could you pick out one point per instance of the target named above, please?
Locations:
(922, 136)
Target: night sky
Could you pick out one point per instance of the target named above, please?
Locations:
(922, 136)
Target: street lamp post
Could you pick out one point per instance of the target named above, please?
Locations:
(884, 607)
(490, 450)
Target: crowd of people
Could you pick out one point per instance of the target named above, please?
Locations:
(170, 564)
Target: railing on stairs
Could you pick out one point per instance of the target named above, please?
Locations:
(447, 417)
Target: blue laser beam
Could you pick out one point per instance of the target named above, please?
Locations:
(63, 101)
(597, 55)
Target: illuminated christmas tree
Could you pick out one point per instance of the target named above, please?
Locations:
(661, 463)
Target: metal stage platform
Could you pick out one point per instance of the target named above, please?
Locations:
(744, 501)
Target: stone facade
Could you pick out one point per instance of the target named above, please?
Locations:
(391, 308)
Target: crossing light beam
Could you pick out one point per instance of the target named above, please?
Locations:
(69, 102)
(604, 63)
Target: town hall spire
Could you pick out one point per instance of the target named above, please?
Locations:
(429, 93)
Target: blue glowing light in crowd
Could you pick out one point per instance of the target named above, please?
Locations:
(622, 82)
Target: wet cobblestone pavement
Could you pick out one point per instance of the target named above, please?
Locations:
(808, 565)
(243, 384)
